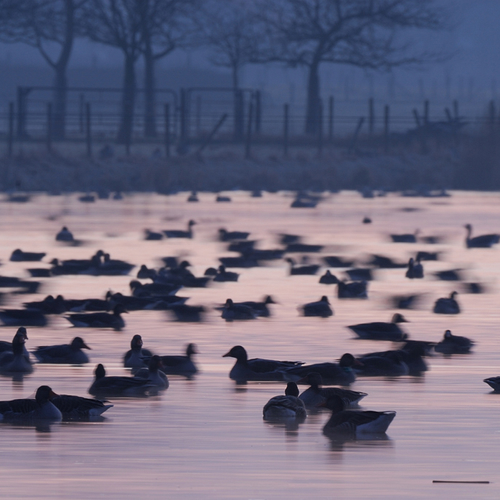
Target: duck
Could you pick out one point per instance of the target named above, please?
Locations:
(287, 406)
(306, 269)
(136, 356)
(447, 305)
(19, 256)
(177, 233)
(256, 369)
(64, 235)
(23, 317)
(223, 275)
(340, 373)
(415, 269)
(225, 235)
(328, 278)
(454, 344)
(40, 408)
(99, 319)
(493, 382)
(180, 365)
(16, 360)
(483, 241)
(319, 308)
(116, 386)
(154, 373)
(315, 394)
(79, 408)
(354, 423)
(352, 290)
(381, 331)
(385, 364)
(232, 311)
(64, 353)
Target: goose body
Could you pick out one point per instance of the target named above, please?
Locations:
(493, 382)
(154, 374)
(319, 308)
(223, 275)
(381, 331)
(64, 353)
(328, 278)
(116, 386)
(76, 407)
(260, 308)
(64, 235)
(447, 305)
(285, 407)
(225, 235)
(17, 359)
(483, 241)
(176, 233)
(404, 238)
(305, 269)
(415, 269)
(22, 317)
(232, 311)
(40, 408)
(136, 357)
(454, 344)
(180, 365)
(19, 256)
(388, 364)
(99, 319)
(256, 369)
(352, 290)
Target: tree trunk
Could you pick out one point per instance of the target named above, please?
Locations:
(313, 100)
(238, 107)
(149, 92)
(59, 103)
(128, 101)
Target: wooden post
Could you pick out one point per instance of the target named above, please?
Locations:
(371, 115)
(258, 112)
(386, 128)
(354, 140)
(11, 128)
(167, 130)
(331, 104)
(285, 130)
(210, 136)
(88, 129)
(49, 127)
(183, 139)
(320, 127)
(426, 111)
(248, 141)
(81, 114)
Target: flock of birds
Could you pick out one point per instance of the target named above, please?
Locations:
(155, 289)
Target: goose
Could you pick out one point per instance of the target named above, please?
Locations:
(146, 273)
(193, 197)
(287, 406)
(386, 364)
(63, 354)
(381, 331)
(40, 408)
(19, 256)
(305, 269)
(79, 408)
(16, 360)
(99, 319)
(353, 423)
(154, 373)
(232, 311)
(315, 395)
(225, 235)
(49, 305)
(22, 317)
(405, 301)
(493, 382)
(256, 369)
(328, 278)
(352, 290)
(449, 275)
(454, 344)
(334, 261)
(340, 373)
(136, 356)
(415, 269)
(483, 241)
(359, 274)
(447, 305)
(116, 386)
(223, 275)
(180, 365)
(220, 198)
(177, 233)
(319, 308)
(383, 262)
(64, 235)
(260, 308)
(187, 313)
(405, 238)
(152, 235)
(6, 346)
(298, 247)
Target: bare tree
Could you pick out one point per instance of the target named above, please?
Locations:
(362, 33)
(46, 24)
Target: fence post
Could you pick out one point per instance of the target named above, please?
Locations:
(285, 130)
(239, 115)
(371, 116)
(320, 127)
(183, 139)
(354, 140)
(167, 130)
(331, 104)
(11, 128)
(258, 112)
(386, 127)
(88, 129)
(248, 142)
(22, 93)
(49, 127)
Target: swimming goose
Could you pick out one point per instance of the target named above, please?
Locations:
(22, 317)
(493, 382)
(232, 311)
(483, 241)
(405, 238)
(49, 305)
(354, 423)
(340, 373)
(99, 319)
(352, 290)
(315, 395)
(385, 364)
(223, 275)
(19, 256)
(359, 274)
(447, 305)
(454, 344)
(116, 386)
(287, 406)
(260, 308)
(79, 408)
(381, 331)
(328, 278)
(154, 373)
(193, 197)
(6, 346)
(40, 408)
(64, 235)
(152, 235)
(17, 360)
(305, 269)
(187, 313)
(136, 356)
(177, 233)
(256, 369)
(64, 353)
(415, 269)
(225, 235)
(319, 308)
(180, 365)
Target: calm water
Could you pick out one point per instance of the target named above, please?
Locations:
(205, 438)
